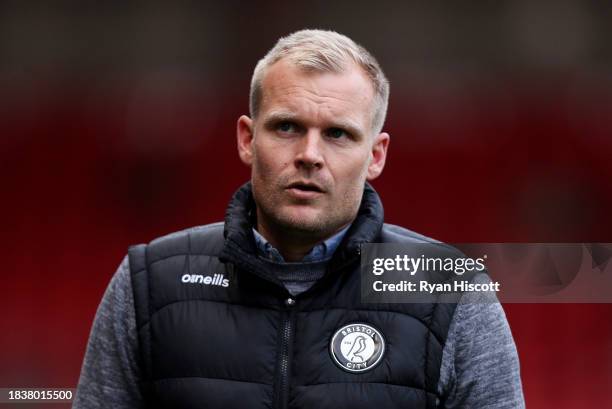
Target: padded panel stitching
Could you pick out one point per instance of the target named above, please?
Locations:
(439, 341)
(422, 322)
(182, 255)
(207, 301)
(368, 383)
(205, 377)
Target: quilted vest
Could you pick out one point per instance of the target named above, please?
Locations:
(218, 330)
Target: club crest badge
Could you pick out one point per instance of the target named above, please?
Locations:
(357, 347)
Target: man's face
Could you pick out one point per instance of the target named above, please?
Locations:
(311, 148)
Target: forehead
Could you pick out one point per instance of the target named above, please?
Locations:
(318, 96)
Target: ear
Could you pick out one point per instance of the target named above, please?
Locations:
(378, 155)
(244, 137)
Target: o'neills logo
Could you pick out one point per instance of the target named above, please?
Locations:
(215, 279)
(357, 347)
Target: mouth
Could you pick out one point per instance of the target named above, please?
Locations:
(306, 187)
(304, 190)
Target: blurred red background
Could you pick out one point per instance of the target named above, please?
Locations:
(117, 126)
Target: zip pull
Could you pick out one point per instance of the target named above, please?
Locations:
(290, 302)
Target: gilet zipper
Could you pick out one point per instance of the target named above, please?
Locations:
(284, 363)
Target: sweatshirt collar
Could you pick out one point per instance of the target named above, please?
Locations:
(321, 251)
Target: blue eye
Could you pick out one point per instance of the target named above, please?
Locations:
(286, 127)
(336, 133)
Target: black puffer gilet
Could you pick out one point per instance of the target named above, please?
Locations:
(249, 344)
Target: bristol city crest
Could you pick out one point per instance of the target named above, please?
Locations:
(357, 347)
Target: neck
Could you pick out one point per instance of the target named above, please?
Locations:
(293, 245)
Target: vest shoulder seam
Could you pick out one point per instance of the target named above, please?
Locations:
(194, 229)
(182, 254)
(175, 255)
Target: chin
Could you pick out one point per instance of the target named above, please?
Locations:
(305, 224)
(311, 222)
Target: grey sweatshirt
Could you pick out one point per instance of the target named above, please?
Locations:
(480, 367)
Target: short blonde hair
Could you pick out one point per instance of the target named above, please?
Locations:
(324, 51)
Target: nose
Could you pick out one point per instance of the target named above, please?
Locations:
(309, 153)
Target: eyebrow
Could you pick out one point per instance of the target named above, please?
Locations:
(282, 116)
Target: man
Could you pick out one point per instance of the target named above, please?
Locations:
(264, 310)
